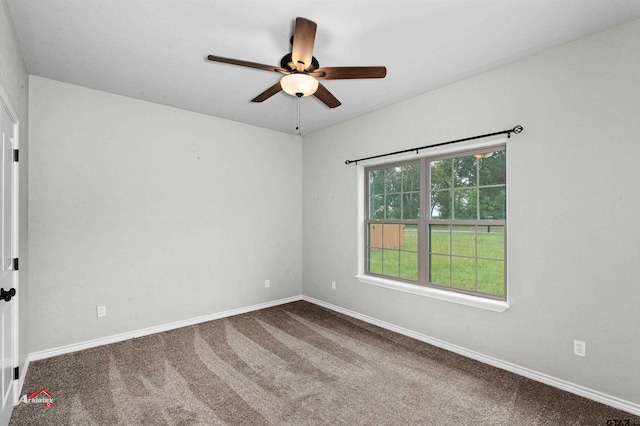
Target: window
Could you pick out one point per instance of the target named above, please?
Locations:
(439, 222)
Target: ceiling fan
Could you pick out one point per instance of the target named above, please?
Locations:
(302, 71)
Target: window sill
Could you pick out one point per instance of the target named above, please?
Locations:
(462, 299)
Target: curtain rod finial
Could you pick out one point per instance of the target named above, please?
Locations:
(518, 129)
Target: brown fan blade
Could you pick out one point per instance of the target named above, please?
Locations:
(339, 73)
(268, 93)
(246, 64)
(303, 38)
(326, 97)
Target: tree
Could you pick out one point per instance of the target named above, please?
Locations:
(459, 184)
(460, 188)
(394, 192)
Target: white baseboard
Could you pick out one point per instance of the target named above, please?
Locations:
(612, 401)
(34, 356)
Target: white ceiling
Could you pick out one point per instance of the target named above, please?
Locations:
(155, 50)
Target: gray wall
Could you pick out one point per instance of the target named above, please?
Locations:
(14, 81)
(573, 205)
(160, 214)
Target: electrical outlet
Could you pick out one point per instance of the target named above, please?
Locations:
(102, 311)
(579, 348)
(267, 283)
(333, 285)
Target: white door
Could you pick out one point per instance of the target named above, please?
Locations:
(7, 275)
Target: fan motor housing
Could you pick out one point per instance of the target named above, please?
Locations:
(287, 59)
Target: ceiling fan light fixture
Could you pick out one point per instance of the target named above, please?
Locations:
(297, 83)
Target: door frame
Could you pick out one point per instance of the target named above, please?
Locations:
(15, 240)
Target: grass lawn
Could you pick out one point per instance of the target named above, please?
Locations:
(460, 256)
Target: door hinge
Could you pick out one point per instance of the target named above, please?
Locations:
(15, 264)
(16, 156)
(16, 373)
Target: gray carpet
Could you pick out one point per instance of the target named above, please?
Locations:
(292, 364)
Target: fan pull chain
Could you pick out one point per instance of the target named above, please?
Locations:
(299, 95)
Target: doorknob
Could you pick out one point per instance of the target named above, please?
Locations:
(7, 295)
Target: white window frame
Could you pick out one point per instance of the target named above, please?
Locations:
(417, 289)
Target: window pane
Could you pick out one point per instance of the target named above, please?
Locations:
(391, 236)
(375, 235)
(493, 170)
(439, 239)
(411, 205)
(391, 262)
(441, 204)
(393, 180)
(410, 238)
(465, 204)
(464, 171)
(440, 269)
(376, 206)
(376, 181)
(463, 273)
(375, 261)
(440, 174)
(463, 240)
(491, 242)
(493, 203)
(411, 177)
(392, 203)
(409, 265)
(491, 276)
(461, 196)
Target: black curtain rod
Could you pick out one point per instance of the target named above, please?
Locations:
(516, 130)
